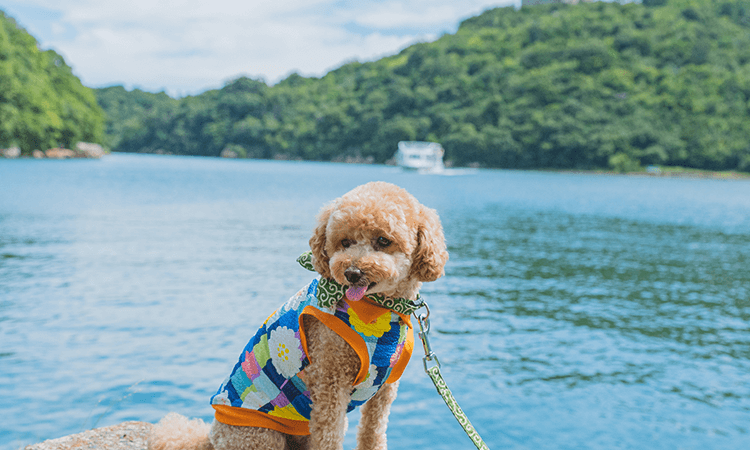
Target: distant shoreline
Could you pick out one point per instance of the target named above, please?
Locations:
(655, 172)
(665, 172)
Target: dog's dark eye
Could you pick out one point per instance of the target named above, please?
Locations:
(383, 242)
(346, 243)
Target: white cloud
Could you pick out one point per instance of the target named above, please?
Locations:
(187, 46)
(421, 13)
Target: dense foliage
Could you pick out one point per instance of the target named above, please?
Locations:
(129, 114)
(42, 104)
(593, 85)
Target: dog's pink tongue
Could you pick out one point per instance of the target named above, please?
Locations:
(355, 293)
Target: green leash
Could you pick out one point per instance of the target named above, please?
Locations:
(437, 378)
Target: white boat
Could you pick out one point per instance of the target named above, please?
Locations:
(420, 156)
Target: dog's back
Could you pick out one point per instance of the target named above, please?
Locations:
(177, 432)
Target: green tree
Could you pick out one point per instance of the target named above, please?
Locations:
(42, 104)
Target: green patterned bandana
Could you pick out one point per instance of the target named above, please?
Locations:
(330, 292)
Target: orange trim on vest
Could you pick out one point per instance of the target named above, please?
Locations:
(243, 417)
(369, 311)
(350, 336)
(403, 359)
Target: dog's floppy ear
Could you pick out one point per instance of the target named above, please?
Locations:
(318, 243)
(430, 255)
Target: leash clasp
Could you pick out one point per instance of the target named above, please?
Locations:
(432, 367)
(424, 327)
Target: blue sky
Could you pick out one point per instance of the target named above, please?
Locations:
(188, 46)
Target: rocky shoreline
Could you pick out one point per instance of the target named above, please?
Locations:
(82, 150)
(125, 436)
(680, 173)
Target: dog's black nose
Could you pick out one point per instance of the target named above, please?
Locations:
(353, 275)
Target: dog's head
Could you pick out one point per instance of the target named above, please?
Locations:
(379, 237)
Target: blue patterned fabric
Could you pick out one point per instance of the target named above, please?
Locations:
(268, 376)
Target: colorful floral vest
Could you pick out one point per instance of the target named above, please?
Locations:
(266, 387)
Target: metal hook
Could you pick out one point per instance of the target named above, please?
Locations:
(424, 319)
(424, 327)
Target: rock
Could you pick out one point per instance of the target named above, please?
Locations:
(227, 153)
(83, 150)
(125, 436)
(90, 150)
(11, 153)
(60, 153)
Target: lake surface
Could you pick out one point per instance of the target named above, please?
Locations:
(577, 311)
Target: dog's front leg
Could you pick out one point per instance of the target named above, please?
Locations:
(374, 421)
(329, 377)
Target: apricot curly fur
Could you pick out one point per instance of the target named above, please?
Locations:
(396, 243)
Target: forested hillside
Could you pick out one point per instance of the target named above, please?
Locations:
(594, 85)
(42, 104)
(130, 114)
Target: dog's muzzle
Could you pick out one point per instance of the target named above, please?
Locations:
(355, 277)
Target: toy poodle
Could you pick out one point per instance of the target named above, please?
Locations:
(340, 343)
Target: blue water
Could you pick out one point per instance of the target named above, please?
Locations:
(577, 311)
